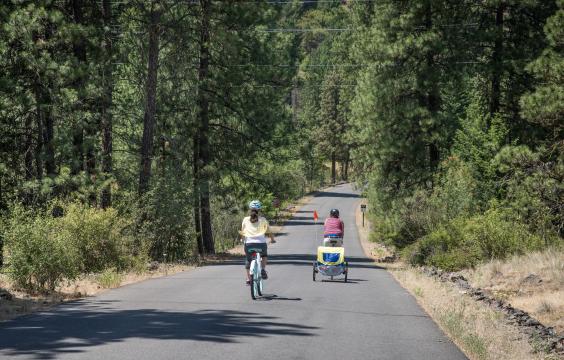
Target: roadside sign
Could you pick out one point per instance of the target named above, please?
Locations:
(363, 207)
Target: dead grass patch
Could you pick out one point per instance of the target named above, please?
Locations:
(87, 285)
(533, 282)
(479, 331)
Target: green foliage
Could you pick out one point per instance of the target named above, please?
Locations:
(477, 143)
(545, 105)
(39, 255)
(109, 278)
(464, 242)
(43, 249)
(531, 188)
(166, 221)
(102, 237)
(414, 217)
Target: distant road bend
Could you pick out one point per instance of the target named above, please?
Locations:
(207, 313)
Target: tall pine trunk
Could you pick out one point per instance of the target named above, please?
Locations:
(39, 137)
(433, 97)
(150, 100)
(79, 52)
(107, 95)
(333, 167)
(28, 157)
(196, 204)
(347, 164)
(203, 130)
(45, 127)
(497, 60)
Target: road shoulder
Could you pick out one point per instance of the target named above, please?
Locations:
(479, 331)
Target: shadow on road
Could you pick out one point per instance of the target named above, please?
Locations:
(337, 195)
(308, 259)
(293, 222)
(339, 280)
(270, 297)
(74, 330)
(355, 262)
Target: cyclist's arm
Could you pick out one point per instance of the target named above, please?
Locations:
(270, 234)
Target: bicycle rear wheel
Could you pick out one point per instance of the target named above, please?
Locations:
(253, 271)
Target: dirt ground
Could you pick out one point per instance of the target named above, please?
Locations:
(479, 331)
(22, 303)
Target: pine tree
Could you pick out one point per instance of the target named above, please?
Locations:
(545, 105)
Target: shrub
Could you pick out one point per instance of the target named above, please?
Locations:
(166, 220)
(101, 237)
(497, 237)
(42, 249)
(532, 187)
(425, 211)
(463, 243)
(38, 256)
(109, 278)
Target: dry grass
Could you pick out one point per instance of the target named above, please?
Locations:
(479, 331)
(88, 285)
(372, 249)
(542, 295)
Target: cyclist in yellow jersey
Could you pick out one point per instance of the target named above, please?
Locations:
(254, 230)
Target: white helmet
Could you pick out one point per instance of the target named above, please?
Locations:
(255, 205)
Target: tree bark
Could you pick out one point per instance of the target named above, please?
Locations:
(333, 167)
(28, 157)
(150, 100)
(79, 52)
(107, 96)
(196, 204)
(433, 97)
(48, 136)
(497, 60)
(203, 130)
(39, 138)
(45, 126)
(347, 163)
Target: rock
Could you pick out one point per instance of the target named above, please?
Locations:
(5, 295)
(531, 322)
(463, 284)
(531, 279)
(153, 265)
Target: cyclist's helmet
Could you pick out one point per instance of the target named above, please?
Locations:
(334, 213)
(255, 205)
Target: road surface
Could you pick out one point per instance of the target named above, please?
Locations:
(207, 313)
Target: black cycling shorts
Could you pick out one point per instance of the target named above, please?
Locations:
(263, 252)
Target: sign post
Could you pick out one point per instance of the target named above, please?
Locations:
(276, 205)
(363, 209)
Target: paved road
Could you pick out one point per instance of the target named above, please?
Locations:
(208, 313)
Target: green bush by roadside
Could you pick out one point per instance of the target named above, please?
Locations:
(38, 257)
(42, 250)
(464, 242)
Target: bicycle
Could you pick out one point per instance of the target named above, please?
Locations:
(255, 270)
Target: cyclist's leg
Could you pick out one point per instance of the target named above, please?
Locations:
(264, 259)
(248, 259)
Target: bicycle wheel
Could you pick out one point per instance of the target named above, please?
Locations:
(252, 270)
(314, 271)
(259, 285)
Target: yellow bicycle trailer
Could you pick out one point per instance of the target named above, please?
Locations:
(330, 262)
